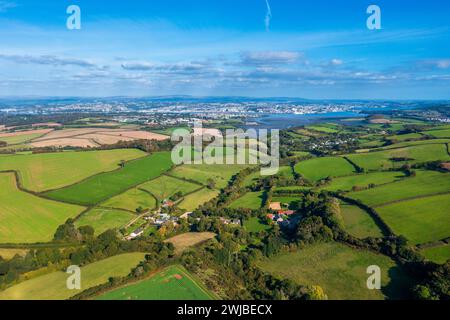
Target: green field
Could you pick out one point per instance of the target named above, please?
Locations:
(254, 224)
(103, 219)
(405, 137)
(415, 143)
(358, 223)
(221, 174)
(439, 254)
(165, 186)
(40, 172)
(173, 283)
(53, 286)
(339, 270)
(320, 168)
(131, 200)
(103, 186)
(251, 200)
(362, 180)
(25, 218)
(381, 160)
(194, 200)
(420, 220)
(322, 128)
(425, 183)
(445, 133)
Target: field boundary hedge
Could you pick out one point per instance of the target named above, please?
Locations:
(384, 227)
(411, 199)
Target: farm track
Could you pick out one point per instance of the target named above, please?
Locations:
(433, 244)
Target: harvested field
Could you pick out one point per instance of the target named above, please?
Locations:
(65, 142)
(8, 254)
(139, 135)
(67, 133)
(23, 133)
(47, 124)
(186, 240)
(105, 138)
(92, 137)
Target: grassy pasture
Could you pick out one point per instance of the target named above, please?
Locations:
(165, 186)
(255, 225)
(40, 172)
(25, 218)
(103, 186)
(221, 174)
(196, 199)
(131, 200)
(358, 223)
(322, 128)
(339, 270)
(425, 183)
(53, 286)
(445, 133)
(415, 143)
(251, 200)
(420, 220)
(381, 159)
(437, 254)
(320, 168)
(173, 283)
(102, 219)
(405, 137)
(363, 180)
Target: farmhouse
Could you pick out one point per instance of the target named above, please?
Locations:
(235, 222)
(136, 233)
(276, 206)
(185, 215)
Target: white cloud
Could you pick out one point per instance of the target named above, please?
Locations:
(49, 60)
(336, 62)
(268, 16)
(259, 58)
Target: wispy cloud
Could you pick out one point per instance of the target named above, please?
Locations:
(50, 60)
(268, 16)
(263, 58)
(6, 5)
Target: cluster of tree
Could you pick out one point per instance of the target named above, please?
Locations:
(236, 275)
(84, 248)
(161, 256)
(148, 146)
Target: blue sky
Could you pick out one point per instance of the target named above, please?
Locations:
(312, 49)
